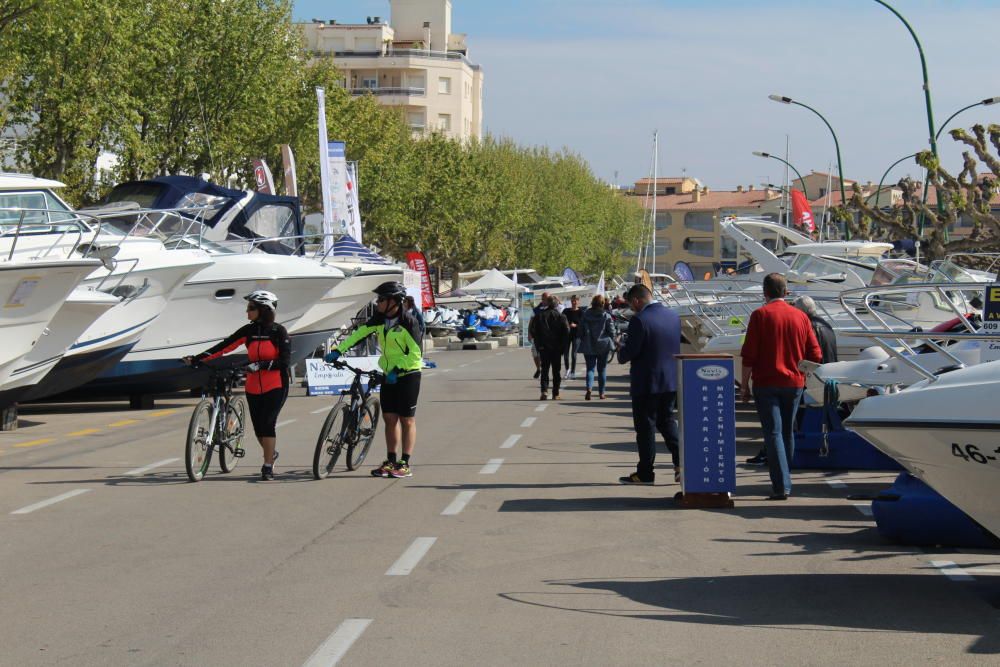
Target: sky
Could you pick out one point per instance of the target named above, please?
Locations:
(598, 77)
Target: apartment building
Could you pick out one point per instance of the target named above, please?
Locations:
(414, 62)
(688, 215)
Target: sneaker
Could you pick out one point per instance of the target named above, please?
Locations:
(572, 375)
(543, 397)
(537, 374)
(759, 460)
(677, 475)
(266, 473)
(556, 397)
(401, 470)
(384, 470)
(586, 396)
(634, 479)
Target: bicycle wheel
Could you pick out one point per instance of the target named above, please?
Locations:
(358, 448)
(198, 452)
(235, 422)
(331, 441)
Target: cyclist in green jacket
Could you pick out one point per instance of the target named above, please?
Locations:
(399, 339)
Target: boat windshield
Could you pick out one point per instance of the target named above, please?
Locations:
(818, 268)
(950, 272)
(37, 211)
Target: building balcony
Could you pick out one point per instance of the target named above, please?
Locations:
(380, 92)
(402, 53)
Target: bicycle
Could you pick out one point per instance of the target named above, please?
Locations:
(217, 423)
(351, 423)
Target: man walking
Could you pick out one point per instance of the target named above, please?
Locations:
(550, 332)
(652, 341)
(778, 337)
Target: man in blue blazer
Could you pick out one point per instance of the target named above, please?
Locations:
(652, 341)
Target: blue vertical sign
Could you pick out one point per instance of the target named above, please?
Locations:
(707, 409)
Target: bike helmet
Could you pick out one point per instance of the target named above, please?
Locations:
(262, 297)
(391, 290)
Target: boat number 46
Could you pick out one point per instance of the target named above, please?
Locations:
(972, 453)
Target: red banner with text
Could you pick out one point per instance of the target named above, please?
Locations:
(802, 215)
(417, 262)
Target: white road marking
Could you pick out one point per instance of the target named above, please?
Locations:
(863, 508)
(510, 441)
(139, 471)
(462, 365)
(541, 408)
(51, 501)
(984, 571)
(491, 466)
(316, 412)
(411, 556)
(528, 422)
(952, 571)
(459, 503)
(285, 423)
(500, 354)
(836, 484)
(337, 644)
(447, 370)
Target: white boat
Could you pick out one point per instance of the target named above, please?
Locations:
(946, 432)
(31, 294)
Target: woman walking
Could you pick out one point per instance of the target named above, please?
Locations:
(596, 336)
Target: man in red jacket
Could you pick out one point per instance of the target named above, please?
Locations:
(778, 337)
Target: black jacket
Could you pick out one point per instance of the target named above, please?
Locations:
(549, 330)
(826, 338)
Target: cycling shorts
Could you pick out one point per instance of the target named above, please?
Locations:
(401, 398)
(264, 409)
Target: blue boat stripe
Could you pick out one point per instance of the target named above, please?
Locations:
(110, 336)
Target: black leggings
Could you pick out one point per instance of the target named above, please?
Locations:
(264, 409)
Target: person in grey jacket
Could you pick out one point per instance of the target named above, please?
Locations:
(596, 337)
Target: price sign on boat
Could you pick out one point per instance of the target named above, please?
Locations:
(991, 323)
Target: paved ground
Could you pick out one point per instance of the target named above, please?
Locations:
(512, 544)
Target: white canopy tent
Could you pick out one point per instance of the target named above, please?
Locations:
(493, 282)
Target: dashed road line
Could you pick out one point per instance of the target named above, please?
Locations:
(316, 412)
(836, 484)
(85, 431)
(458, 504)
(863, 508)
(510, 441)
(541, 408)
(139, 471)
(124, 422)
(952, 571)
(491, 467)
(462, 365)
(339, 643)
(162, 413)
(500, 354)
(528, 422)
(33, 443)
(51, 501)
(285, 423)
(405, 564)
(447, 370)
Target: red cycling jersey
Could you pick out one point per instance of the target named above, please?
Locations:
(268, 345)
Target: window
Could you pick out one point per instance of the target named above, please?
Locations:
(444, 122)
(663, 246)
(271, 221)
(670, 191)
(444, 85)
(369, 82)
(663, 219)
(703, 221)
(727, 248)
(415, 119)
(700, 247)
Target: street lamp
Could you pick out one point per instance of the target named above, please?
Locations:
(840, 166)
(989, 101)
(789, 165)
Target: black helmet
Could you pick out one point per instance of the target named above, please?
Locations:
(391, 290)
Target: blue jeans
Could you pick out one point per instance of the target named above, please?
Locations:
(776, 408)
(652, 413)
(598, 362)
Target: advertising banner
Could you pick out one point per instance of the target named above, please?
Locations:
(707, 411)
(417, 262)
(990, 349)
(262, 177)
(353, 204)
(337, 168)
(288, 167)
(802, 215)
(326, 184)
(325, 380)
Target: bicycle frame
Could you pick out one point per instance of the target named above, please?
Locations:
(221, 392)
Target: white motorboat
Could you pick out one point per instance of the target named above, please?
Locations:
(945, 431)
(31, 294)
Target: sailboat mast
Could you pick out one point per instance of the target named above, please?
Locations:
(656, 160)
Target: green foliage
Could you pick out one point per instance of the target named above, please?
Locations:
(193, 86)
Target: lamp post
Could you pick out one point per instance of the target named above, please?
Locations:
(789, 165)
(989, 101)
(840, 167)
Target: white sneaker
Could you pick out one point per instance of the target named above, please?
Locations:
(572, 376)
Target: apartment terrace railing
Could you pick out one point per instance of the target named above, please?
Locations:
(409, 90)
(402, 53)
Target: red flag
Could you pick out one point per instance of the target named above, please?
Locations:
(418, 263)
(802, 215)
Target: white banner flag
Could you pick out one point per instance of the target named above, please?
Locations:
(324, 173)
(600, 285)
(353, 205)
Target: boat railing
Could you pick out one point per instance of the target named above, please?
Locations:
(71, 223)
(176, 225)
(884, 339)
(251, 244)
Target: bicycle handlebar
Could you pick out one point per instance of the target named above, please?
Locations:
(356, 371)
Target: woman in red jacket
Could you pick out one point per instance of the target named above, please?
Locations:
(269, 350)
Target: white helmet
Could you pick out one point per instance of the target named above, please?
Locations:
(262, 297)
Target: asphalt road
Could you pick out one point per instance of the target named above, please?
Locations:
(511, 544)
